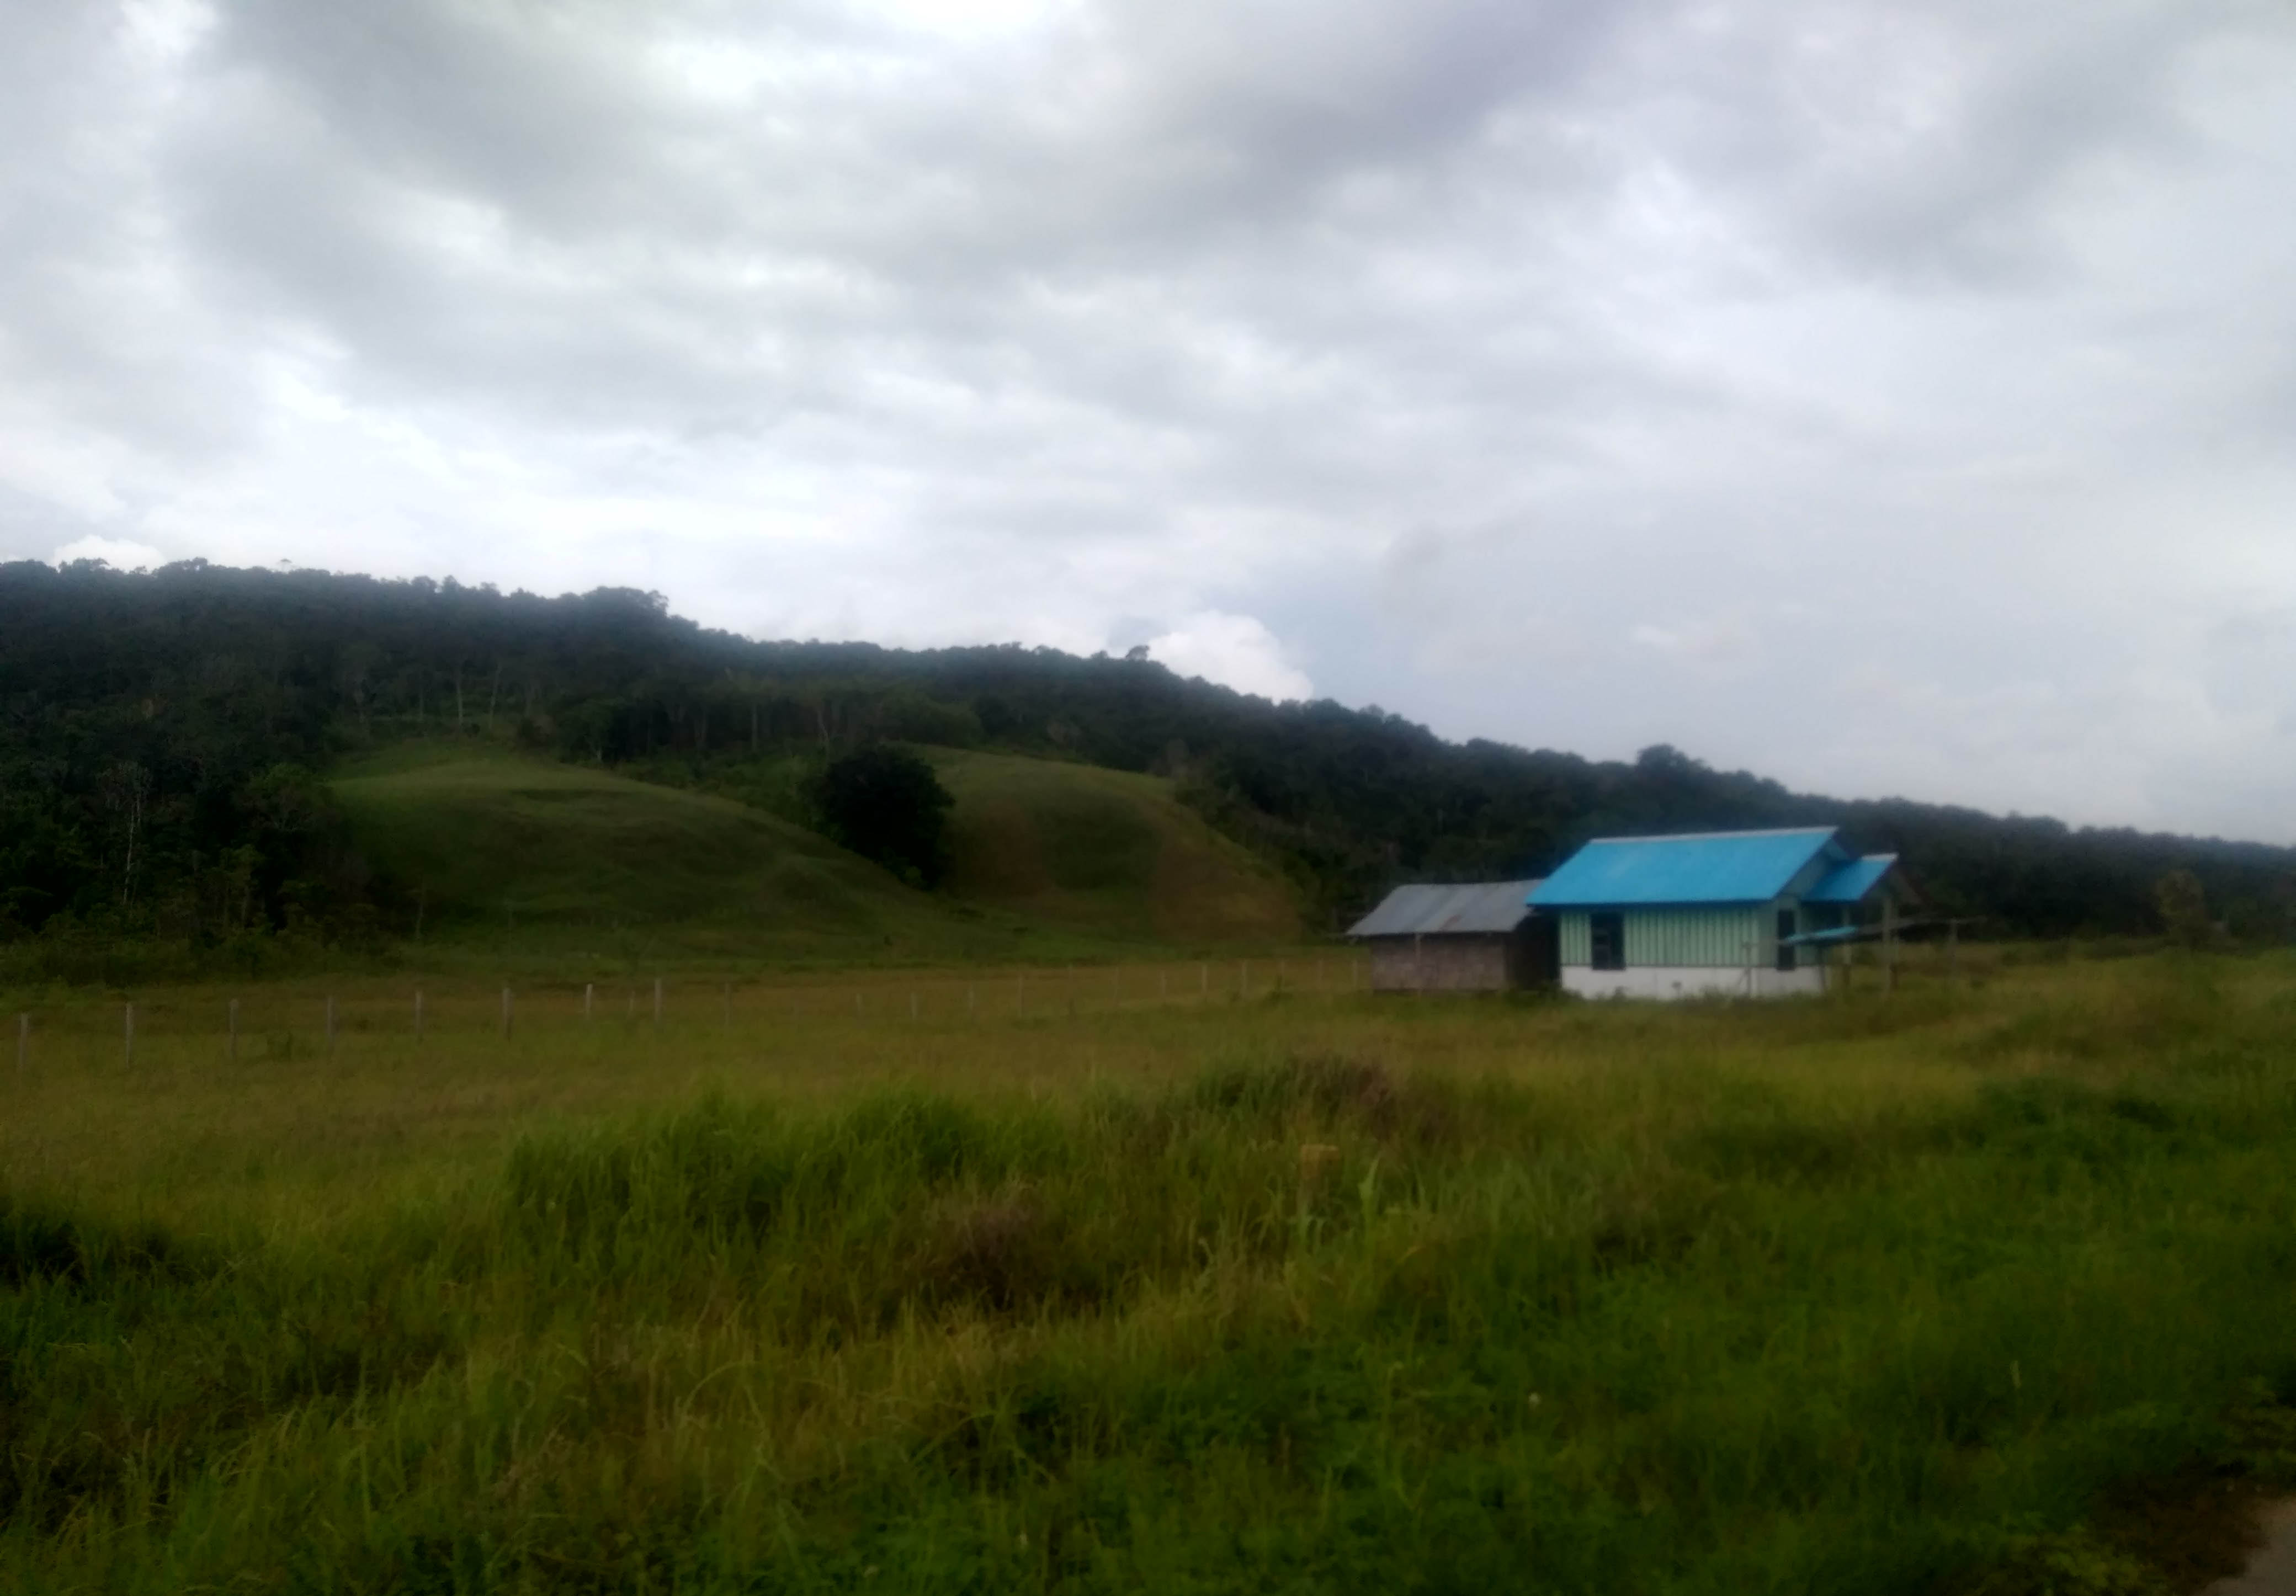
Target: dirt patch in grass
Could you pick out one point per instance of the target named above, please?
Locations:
(2179, 1534)
(1003, 1251)
(2190, 1530)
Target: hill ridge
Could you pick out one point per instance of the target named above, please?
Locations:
(150, 706)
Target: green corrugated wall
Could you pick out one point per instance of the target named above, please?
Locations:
(1690, 936)
(1572, 938)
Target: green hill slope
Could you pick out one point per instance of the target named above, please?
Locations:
(1102, 851)
(551, 854)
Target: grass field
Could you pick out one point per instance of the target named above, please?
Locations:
(1134, 1288)
(1102, 851)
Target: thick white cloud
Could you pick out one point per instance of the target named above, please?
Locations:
(1236, 651)
(1889, 397)
(114, 552)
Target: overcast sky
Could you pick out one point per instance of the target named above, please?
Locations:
(1889, 398)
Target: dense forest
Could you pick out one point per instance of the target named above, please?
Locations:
(163, 737)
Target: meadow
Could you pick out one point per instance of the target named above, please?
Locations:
(1167, 1275)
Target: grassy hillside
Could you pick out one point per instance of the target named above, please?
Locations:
(1102, 851)
(548, 854)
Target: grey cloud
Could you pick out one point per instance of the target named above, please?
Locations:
(96, 331)
(1880, 395)
(2251, 665)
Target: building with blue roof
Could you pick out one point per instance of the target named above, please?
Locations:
(1720, 913)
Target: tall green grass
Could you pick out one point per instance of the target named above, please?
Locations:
(1827, 1296)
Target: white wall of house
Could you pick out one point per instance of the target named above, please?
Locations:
(1667, 981)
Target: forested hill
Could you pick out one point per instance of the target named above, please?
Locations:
(159, 733)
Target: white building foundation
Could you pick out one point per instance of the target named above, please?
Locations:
(1668, 982)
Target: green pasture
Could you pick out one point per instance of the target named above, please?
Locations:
(958, 1278)
(501, 852)
(1102, 852)
(530, 864)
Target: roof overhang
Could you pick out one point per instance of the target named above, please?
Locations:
(1852, 882)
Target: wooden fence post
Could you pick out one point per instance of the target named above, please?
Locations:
(589, 1000)
(418, 1014)
(1888, 944)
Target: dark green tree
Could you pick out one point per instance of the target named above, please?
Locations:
(2184, 908)
(886, 804)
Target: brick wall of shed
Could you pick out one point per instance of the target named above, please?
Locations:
(1441, 964)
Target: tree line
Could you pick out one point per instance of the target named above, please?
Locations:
(164, 737)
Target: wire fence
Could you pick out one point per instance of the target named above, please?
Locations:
(271, 1022)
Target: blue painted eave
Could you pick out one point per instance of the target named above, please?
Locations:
(1851, 883)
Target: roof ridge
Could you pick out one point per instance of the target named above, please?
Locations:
(1713, 835)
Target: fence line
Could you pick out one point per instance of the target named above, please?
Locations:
(285, 1022)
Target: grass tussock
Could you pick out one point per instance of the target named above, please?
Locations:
(1791, 1299)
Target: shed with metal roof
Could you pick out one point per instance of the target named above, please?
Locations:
(1470, 936)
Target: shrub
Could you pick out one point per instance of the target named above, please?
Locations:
(885, 803)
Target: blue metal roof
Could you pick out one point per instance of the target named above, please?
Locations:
(1718, 867)
(1850, 883)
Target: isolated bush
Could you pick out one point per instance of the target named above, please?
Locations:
(886, 804)
(2184, 908)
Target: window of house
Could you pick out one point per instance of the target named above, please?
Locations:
(1607, 934)
(1786, 929)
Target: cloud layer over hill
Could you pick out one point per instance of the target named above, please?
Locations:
(1886, 397)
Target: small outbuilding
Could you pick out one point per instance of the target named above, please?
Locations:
(1479, 936)
(1745, 913)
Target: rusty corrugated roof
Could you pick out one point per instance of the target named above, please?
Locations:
(1469, 908)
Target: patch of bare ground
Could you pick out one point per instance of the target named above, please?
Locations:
(2271, 1565)
(2191, 1531)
